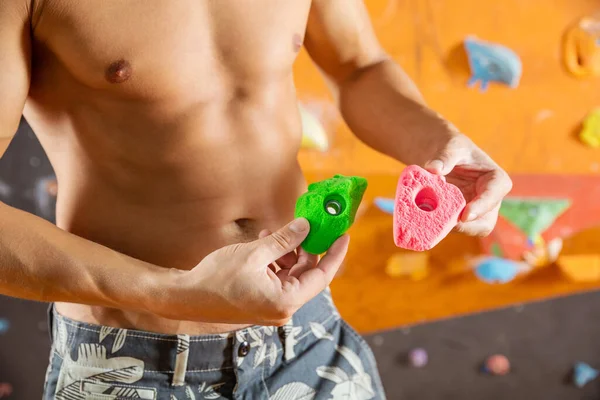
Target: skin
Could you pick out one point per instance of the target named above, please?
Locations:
(175, 153)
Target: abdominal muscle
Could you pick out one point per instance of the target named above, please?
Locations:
(173, 211)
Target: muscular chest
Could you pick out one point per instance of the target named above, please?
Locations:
(151, 47)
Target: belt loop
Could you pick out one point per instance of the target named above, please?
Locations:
(181, 360)
(50, 322)
(61, 337)
(287, 334)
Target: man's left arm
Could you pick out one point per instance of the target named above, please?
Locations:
(385, 110)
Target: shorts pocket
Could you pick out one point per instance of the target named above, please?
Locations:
(52, 373)
(367, 357)
(94, 390)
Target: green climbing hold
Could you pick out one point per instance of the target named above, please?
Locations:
(330, 207)
(533, 215)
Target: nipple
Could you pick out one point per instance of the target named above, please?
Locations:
(119, 71)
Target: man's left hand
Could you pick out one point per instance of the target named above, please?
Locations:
(483, 183)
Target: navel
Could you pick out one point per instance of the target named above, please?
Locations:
(119, 71)
(247, 229)
(297, 42)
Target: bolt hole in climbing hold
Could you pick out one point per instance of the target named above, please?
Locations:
(426, 199)
(334, 205)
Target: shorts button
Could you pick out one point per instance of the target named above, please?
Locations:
(244, 349)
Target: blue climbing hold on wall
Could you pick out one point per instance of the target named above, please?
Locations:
(583, 373)
(4, 325)
(496, 270)
(384, 204)
(492, 62)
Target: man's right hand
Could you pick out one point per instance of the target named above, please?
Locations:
(262, 282)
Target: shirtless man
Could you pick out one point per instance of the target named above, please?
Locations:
(173, 130)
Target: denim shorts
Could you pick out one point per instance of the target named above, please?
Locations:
(315, 356)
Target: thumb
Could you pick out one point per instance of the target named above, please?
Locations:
(444, 162)
(282, 241)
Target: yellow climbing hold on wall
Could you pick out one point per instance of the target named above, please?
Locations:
(590, 133)
(408, 264)
(580, 267)
(581, 48)
(313, 134)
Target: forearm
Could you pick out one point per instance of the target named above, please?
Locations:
(39, 261)
(384, 109)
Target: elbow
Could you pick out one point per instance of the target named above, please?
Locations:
(355, 79)
(363, 67)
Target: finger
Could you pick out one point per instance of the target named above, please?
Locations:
(305, 262)
(305, 257)
(445, 161)
(285, 262)
(281, 242)
(312, 281)
(262, 234)
(272, 268)
(481, 226)
(493, 190)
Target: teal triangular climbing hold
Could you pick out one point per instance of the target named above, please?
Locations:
(533, 215)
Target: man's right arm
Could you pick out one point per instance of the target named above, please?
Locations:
(39, 261)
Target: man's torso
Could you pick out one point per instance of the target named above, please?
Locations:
(172, 127)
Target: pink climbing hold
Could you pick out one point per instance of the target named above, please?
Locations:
(497, 365)
(426, 209)
(6, 389)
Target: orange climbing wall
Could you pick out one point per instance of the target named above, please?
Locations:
(528, 130)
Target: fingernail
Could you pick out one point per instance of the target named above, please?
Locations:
(470, 217)
(436, 165)
(299, 225)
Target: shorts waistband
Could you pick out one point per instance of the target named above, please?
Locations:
(170, 353)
